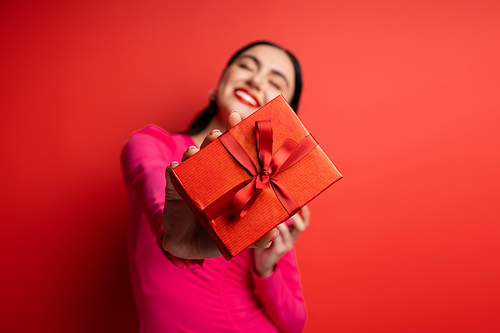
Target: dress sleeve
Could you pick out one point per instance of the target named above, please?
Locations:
(281, 296)
(144, 159)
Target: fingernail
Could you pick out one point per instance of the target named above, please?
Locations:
(174, 164)
(234, 111)
(275, 236)
(191, 148)
(214, 131)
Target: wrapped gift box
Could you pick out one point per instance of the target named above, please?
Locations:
(254, 176)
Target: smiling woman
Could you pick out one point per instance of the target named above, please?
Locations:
(258, 75)
(180, 281)
(279, 75)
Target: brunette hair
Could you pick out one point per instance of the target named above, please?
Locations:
(206, 115)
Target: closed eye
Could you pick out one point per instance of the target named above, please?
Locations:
(245, 66)
(274, 84)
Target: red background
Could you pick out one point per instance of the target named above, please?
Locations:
(403, 95)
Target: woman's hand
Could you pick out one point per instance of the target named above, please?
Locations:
(266, 259)
(185, 237)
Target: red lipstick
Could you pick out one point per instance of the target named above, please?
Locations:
(246, 97)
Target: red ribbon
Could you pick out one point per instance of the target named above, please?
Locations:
(287, 155)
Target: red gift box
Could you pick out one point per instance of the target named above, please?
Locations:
(254, 176)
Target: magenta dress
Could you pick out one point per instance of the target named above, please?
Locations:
(212, 295)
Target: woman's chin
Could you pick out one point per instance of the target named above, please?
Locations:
(243, 110)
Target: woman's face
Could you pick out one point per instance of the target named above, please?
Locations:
(254, 78)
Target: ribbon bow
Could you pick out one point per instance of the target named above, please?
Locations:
(287, 155)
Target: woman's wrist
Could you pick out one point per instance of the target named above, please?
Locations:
(264, 272)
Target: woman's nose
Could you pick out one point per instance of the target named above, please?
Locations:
(255, 81)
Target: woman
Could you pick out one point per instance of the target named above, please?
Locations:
(180, 281)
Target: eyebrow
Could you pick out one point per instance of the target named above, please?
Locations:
(257, 61)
